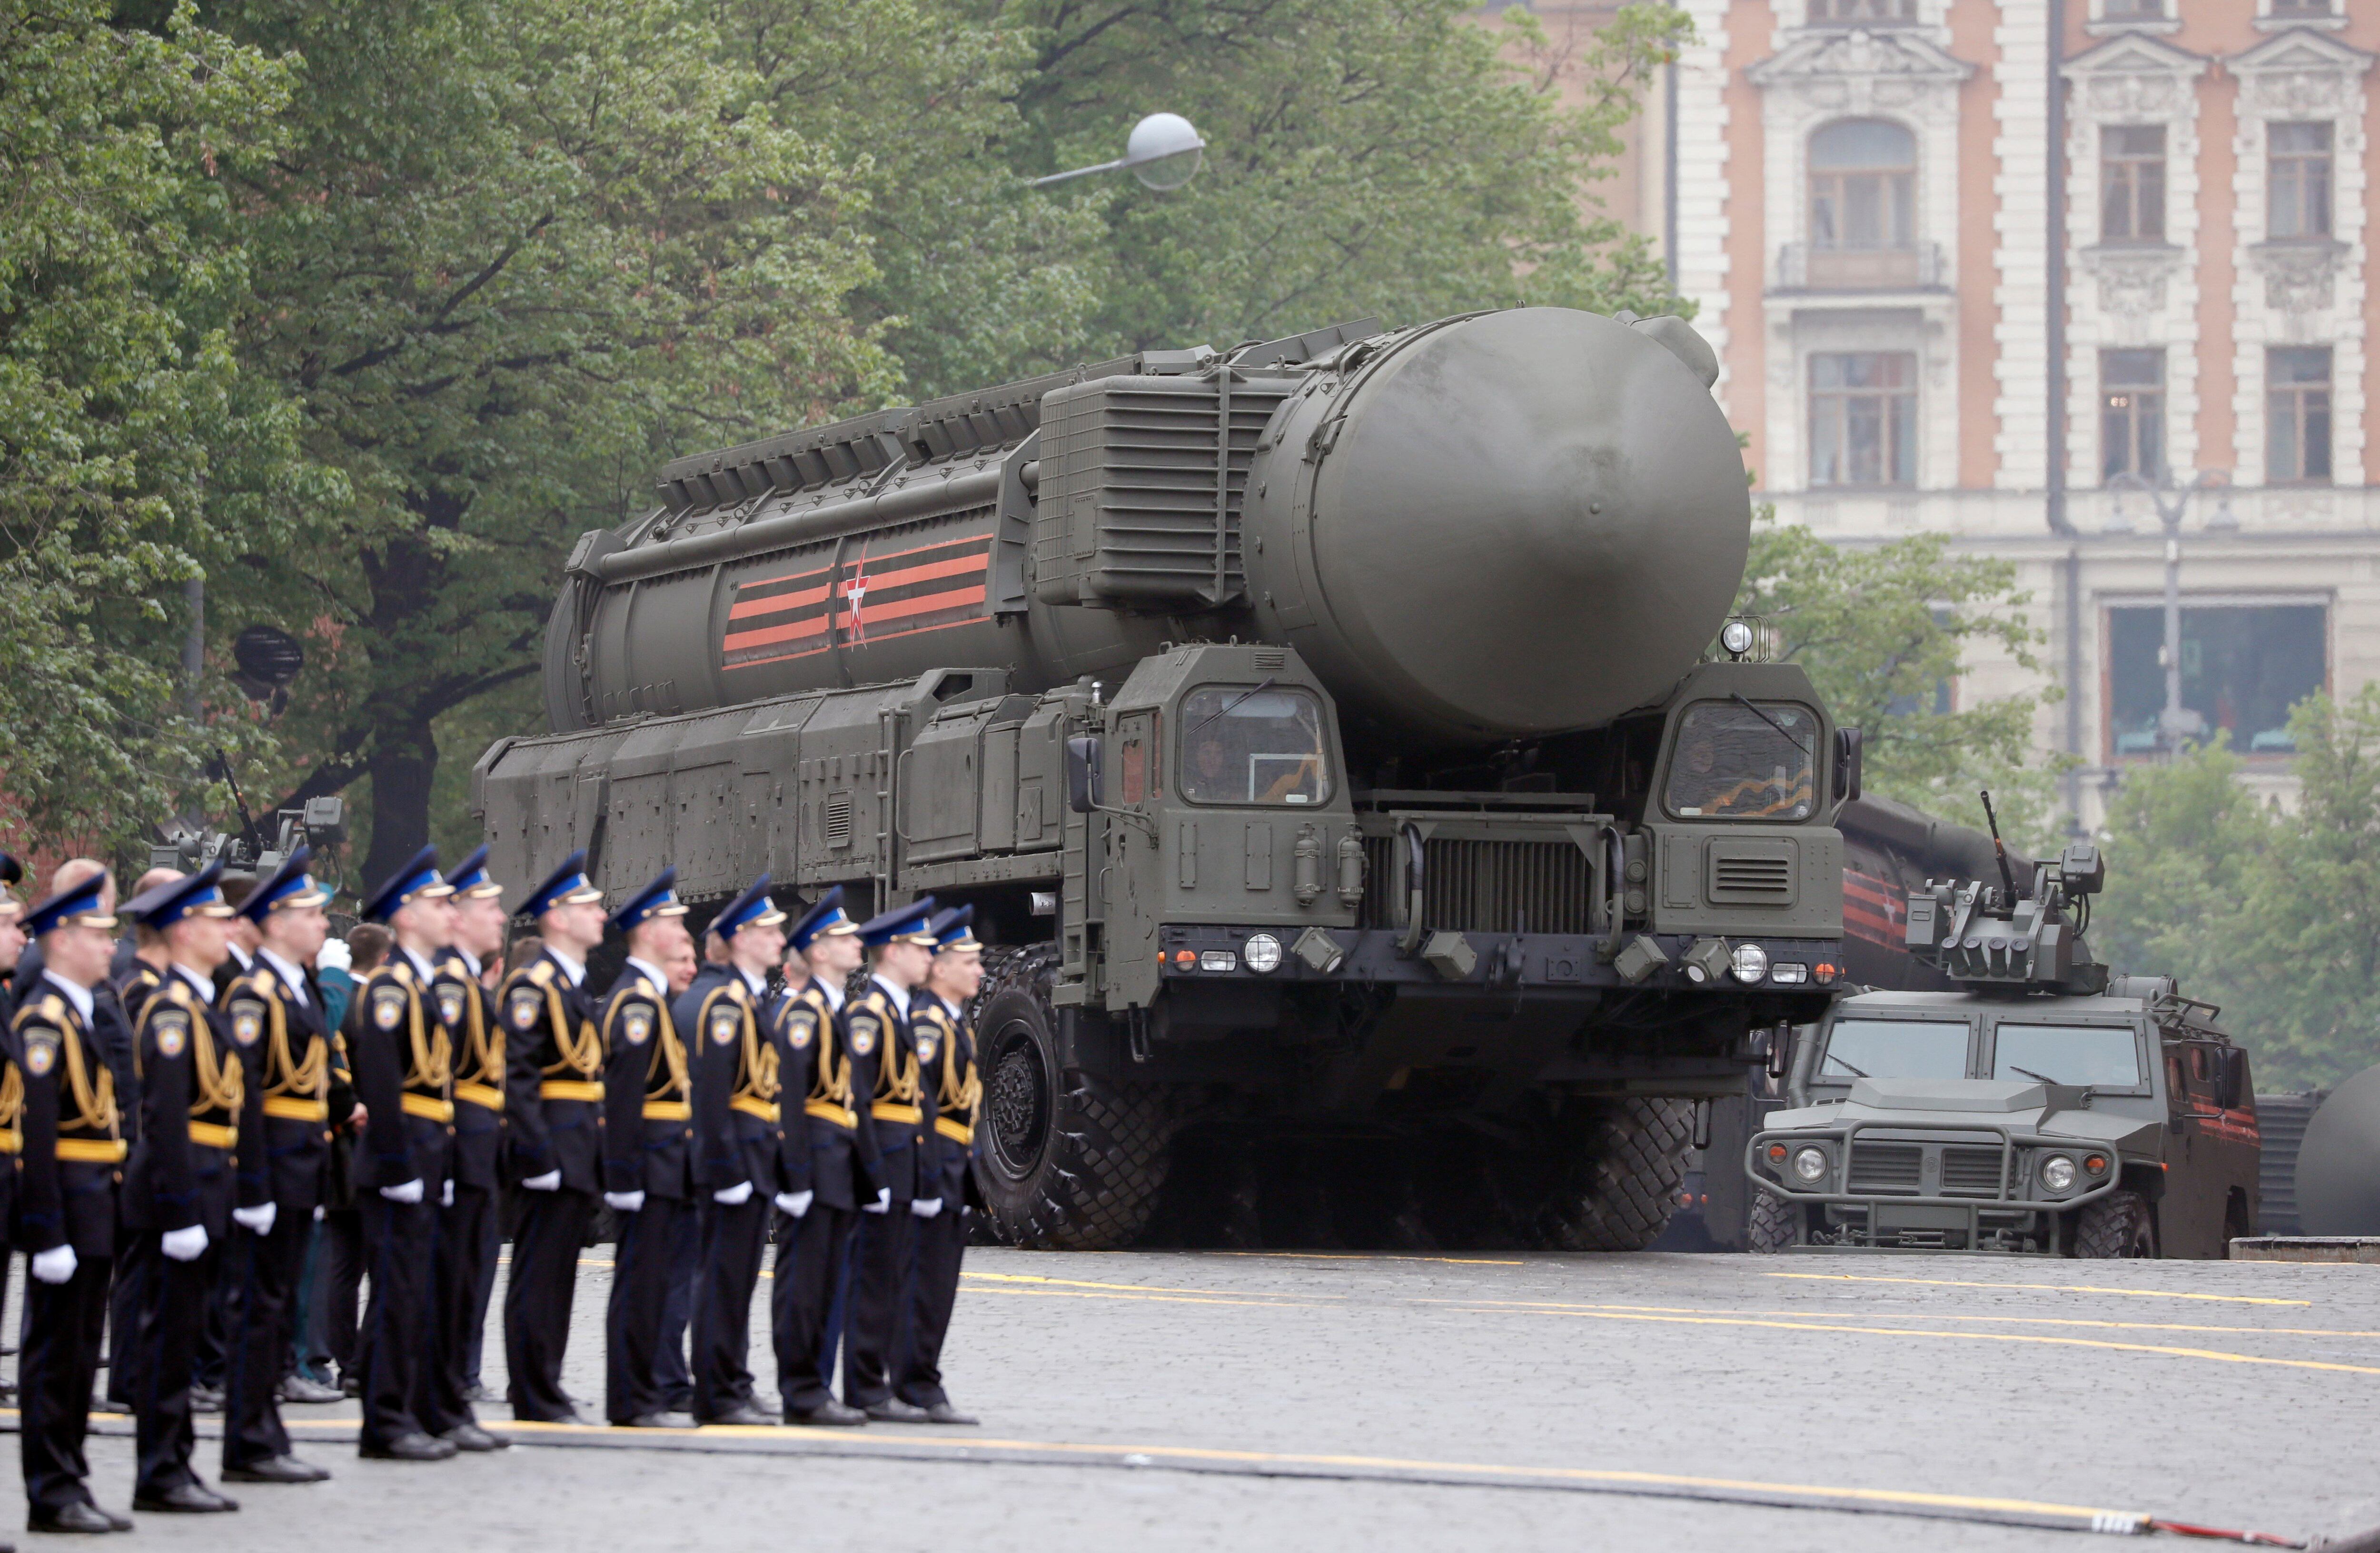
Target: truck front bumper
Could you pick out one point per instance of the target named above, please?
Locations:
(1189, 952)
(1915, 1188)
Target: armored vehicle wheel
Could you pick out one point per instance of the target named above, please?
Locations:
(1069, 1161)
(1618, 1183)
(2118, 1224)
(1772, 1225)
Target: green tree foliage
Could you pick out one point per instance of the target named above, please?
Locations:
(1880, 630)
(136, 454)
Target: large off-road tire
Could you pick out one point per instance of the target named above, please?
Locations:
(2118, 1225)
(1066, 1161)
(1616, 1188)
(1773, 1224)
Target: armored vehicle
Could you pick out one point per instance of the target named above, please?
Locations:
(1330, 732)
(2043, 1107)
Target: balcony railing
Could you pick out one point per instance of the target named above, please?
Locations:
(1802, 267)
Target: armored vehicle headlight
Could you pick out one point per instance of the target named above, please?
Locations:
(1751, 962)
(1262, 952)
(2057, 1173)
(1218, 960)
(1810, 1165)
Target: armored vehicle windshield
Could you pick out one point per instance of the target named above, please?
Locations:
(1896, 1048)
(1739, 760)
(2105, 1058)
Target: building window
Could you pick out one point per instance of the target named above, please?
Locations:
(2301, 10)
(2131, 413)
(2131, 183)
(2243, 666)
(1863, 205)
(2297, 415)
(2133, 10)
(1825, 13)
(1863, 418)
(2297, 200)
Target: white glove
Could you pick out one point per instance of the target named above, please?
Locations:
(334, 956)
(794, 1203)
(446, 1192)
(321, 1213)
(55, 1264)
(625, 1202)
(259, 1219)
(733, 1196)
(926, 1208)
(884, 1202)
(405, 1192)
(549, 1182)
(183, 1246)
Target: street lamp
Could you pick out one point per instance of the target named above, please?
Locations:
(2176, 722)
(1164, 152)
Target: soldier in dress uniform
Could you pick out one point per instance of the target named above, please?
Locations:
(554, 1107)
(133, 985)
(830, 1159)
(946, 1053)
(197, 1169)
(466, 1224)
(61, 1118)
(648, 1141)
(884, 1067)
(277, 1010)
(12, 934)
(739, 1145)
(403, 1059)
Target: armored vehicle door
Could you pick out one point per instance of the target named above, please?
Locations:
(2211, 1150)
(1135, 890)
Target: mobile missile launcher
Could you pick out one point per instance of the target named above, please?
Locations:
(2044, 1106)
(1329, 733)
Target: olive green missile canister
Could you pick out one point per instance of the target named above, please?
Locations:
(1492, 527)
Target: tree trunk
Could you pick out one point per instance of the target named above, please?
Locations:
(404, 761)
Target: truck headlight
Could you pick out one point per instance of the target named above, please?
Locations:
(2057, 1173)
(1262, 952)
(1810, 1166)
(1750, 962)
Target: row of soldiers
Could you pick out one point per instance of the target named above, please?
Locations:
(751, 1093)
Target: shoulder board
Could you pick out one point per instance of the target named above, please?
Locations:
(398, 970)
(176, 991)
(542, 973)
(49, 1009)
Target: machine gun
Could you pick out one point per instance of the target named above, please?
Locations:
(321, 823)
(2000, 938)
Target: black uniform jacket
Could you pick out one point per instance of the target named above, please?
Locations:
(402, 1059)
(73, 1150)
(884, 1068)
(553, 1068)
(647, 1093)
(738, 1131)
(946, 1053)
(201, 1111)
(826, 1149)
(294, 1042)
(113, 1009)
(469, 1015)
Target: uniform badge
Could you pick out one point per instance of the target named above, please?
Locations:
(246, 1021)
(725, 1025)
(637, 1024)
(926, 1048)
(527, 1004)
(799, 1029)
(450, 1003)
(863, 1034)
(388, 1007)
(41, 1052)
(172, 1031)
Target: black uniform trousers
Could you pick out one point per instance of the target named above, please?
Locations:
(879, 1256)
(537, 1302)
(936, 1246)
(464, 1233)
(54, 1381)
(733, 1242)
(811, 1256)
(124, 1318)
(339, 1281)
(173, 1297)
(633, 1385)
(491, 1240)
(260, 1275)
(398, 1340)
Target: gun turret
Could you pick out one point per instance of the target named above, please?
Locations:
(1996, 940)
(321, 823)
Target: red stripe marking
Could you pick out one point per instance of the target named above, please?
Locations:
(776, 602)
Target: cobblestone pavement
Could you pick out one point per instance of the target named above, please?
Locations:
(2231, 1394)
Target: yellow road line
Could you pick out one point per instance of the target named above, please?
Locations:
(1372, 1256)
(1134, 1288)
(1154, 1299)
(2054, 1288)
(1926, 1316)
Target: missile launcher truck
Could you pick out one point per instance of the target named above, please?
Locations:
(1329, 733)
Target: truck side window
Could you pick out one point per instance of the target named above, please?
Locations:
(1735, 760)
(1252, 744)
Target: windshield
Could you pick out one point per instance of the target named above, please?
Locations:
(1744, 761)
(1252, 744)
(2103, 1056)
(1895, 1049)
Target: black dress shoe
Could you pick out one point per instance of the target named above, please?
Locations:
(476, 1392)
(205, 1398)
(470, 1437)
(740, 1416)
(351, 1385)
(305, 1391)
(78, 1517)
(416, 1446)
(183, 1499)
(893, 1410)
(276, 1468)
(828, 1414)
(943, 1413)
(655, 1420)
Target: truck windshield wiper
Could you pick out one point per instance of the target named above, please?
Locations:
(1789, 736)
(1847, 1067)
(1228, 706)
(2030, 1074)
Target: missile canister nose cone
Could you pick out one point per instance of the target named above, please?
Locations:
(1526, 522)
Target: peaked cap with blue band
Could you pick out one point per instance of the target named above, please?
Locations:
(656, 899)
(566, 886)
(909, 924)
(417, 880)
(197, 895)
(470, 881)
(290, 888)
(954, 930)
(751, 909)
(75, 906)
(825, 919)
